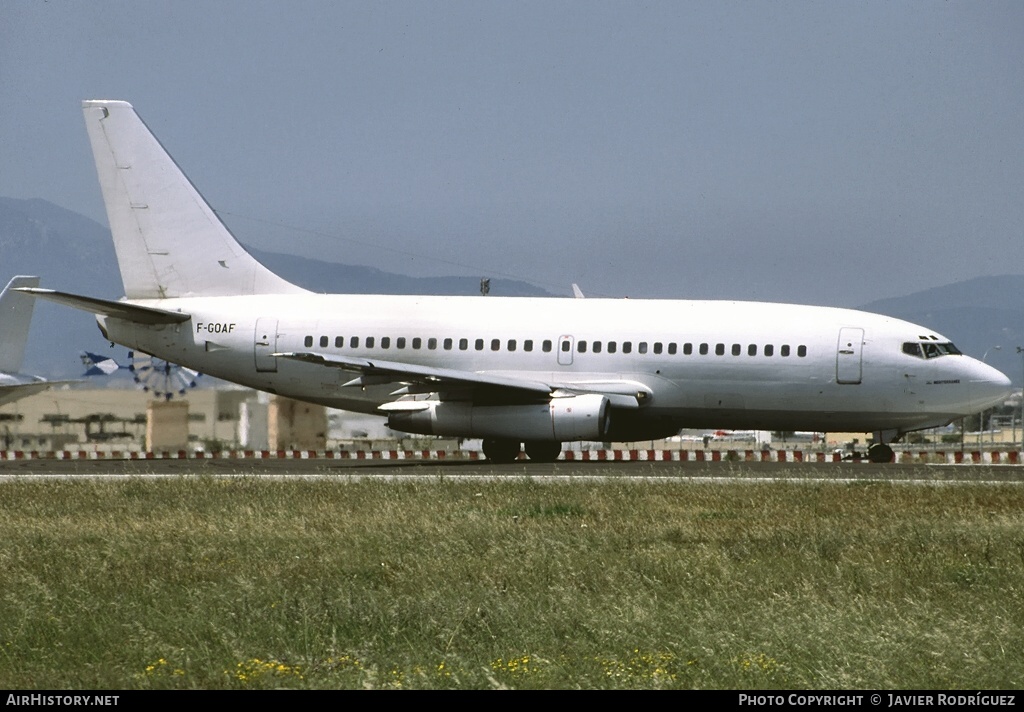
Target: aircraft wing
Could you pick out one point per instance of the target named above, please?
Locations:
(12, 392)
(414, 378)
(15, 387)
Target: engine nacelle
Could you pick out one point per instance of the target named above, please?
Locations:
(561, 419)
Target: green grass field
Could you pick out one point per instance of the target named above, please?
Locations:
(246, 583)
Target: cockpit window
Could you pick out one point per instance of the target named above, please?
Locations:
(930, 349)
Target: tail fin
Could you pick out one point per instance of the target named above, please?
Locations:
(168, 240)
(15, 319)
(99, 365)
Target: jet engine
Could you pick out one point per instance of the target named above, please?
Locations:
(582, 417)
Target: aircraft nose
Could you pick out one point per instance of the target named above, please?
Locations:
(988, 386)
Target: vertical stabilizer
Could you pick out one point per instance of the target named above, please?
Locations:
(168, 240)
(15, 319)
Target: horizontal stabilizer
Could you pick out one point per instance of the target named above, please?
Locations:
(108, 307)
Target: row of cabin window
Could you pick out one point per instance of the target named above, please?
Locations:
(417, 343)
(566, 345)
(688, 348)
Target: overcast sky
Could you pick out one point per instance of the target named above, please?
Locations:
(813, 152)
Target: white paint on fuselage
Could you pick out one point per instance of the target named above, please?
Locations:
(776, 392)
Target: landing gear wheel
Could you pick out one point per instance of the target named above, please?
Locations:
(880, 452)
(543, 450)
(501, 451)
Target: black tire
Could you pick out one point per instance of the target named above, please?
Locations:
(543, 450)
(880, 452)
(501, 451)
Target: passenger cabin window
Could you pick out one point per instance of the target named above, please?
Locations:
(801, 351)
(324, 341)
(354, 342)
(528, 345)
(581, 346)
(784, 350)
(417, 342)
(769, 350)
(385, 342)
(432, 343)
(369, 342)
(627, 347)
(463, 344)
(612, 347)
(308, 341)
(752, 350)
(511, 344)
(400, 342)
(478, 344)
(672, 348)
(546, 346)
(339, 341)
(596, 347)
(641, 348)
(495, 344)
(737, 349)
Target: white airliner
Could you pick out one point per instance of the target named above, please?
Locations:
(15, 319)
(508, 370)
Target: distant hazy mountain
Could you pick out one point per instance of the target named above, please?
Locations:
(72, 253)
(335, 278)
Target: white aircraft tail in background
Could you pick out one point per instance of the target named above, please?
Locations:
(511, 371)
(15, 319)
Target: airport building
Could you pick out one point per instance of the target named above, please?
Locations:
(207, 419)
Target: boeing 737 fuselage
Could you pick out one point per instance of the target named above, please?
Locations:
(508, 370)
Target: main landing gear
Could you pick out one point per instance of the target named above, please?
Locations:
(879, 451)
(507, 451)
